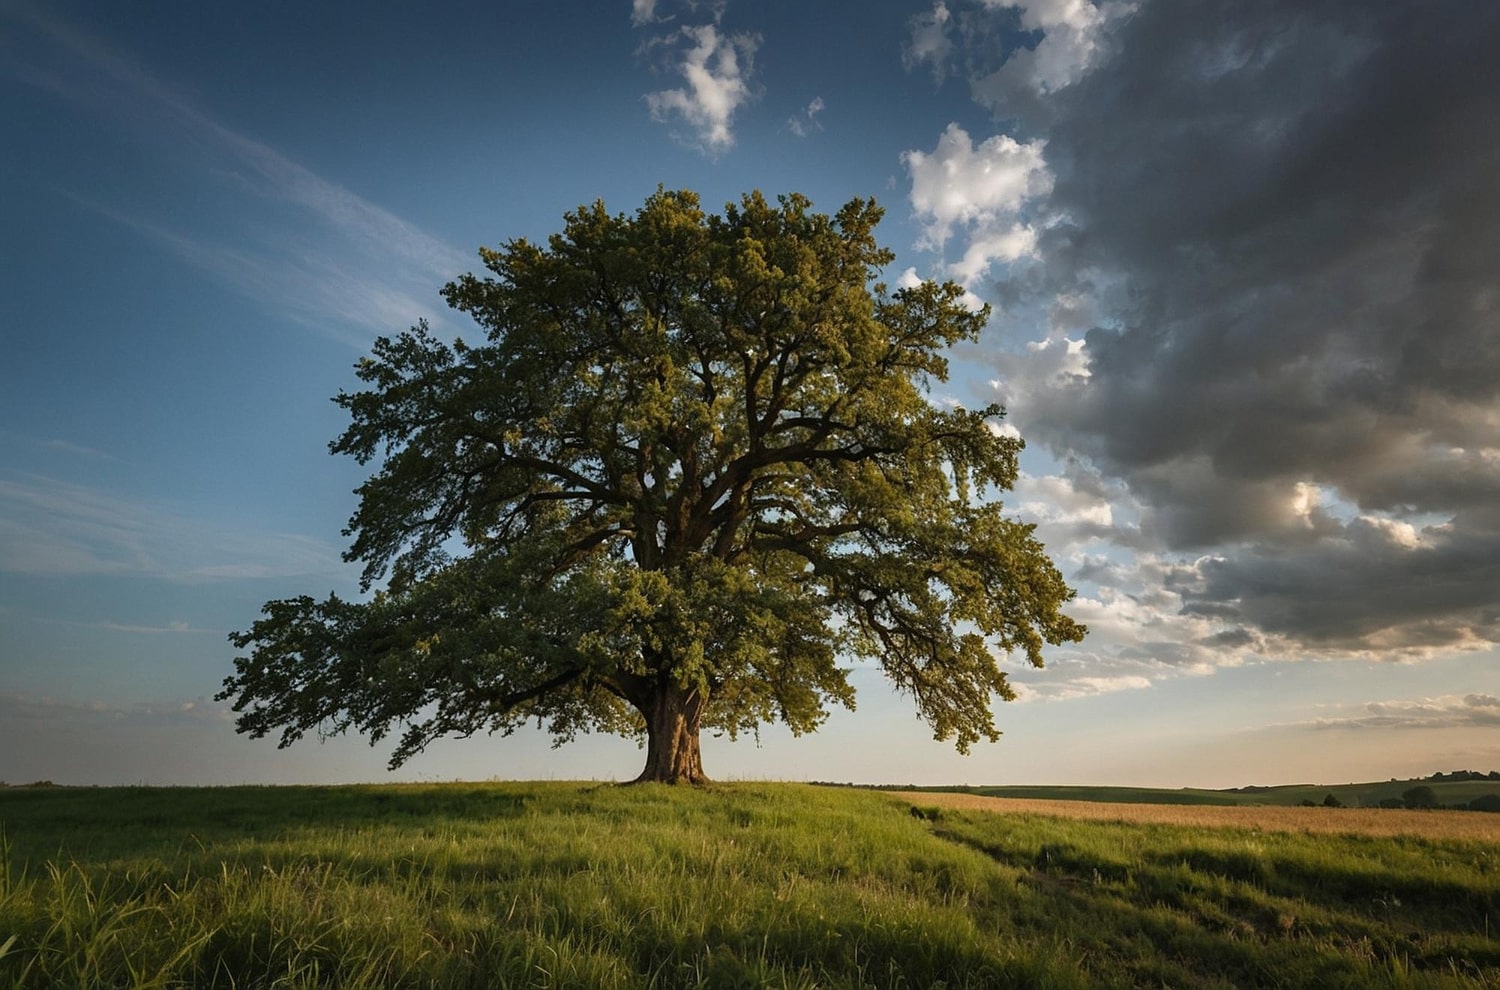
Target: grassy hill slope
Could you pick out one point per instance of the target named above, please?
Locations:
(567, 885)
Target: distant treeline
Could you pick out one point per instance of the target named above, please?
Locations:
(1451, 777)
(1422, 798)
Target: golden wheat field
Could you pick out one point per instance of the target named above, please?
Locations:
(1467, 825)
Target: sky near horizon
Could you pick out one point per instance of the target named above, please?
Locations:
(1244, 264)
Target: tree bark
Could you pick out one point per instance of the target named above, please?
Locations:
(673, 720)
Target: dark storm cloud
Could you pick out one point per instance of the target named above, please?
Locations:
(1368, 589)
(1286, 217)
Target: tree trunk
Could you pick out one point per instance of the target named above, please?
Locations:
(673, 717)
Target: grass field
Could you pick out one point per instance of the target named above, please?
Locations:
(773, 885)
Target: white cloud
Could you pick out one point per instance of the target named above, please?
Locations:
(176, 627)
(1053, 364)
(1106, 685)
(929, 41)
(1139, 633)
(1057, 500)
(642, 11)
(1083, 680)
(971, 302)
(718, 69)
(1071, 43)
(1394, 532)
(909, 279)
(983, 191)
(806, 122)
(989, 246)
(959, 184)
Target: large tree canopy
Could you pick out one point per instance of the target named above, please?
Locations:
(690, 476)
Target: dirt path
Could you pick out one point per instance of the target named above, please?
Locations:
(1474, 826)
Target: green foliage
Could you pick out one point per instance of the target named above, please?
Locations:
(693, 470)
(1420, 797)
(556, 885)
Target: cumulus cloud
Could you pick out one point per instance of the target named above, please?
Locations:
(958, 184)
(718, 68)
(1261, 298)
(981, 191)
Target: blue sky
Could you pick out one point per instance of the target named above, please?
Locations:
(1246, 316)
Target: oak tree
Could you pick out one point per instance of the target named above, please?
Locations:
(691, 474)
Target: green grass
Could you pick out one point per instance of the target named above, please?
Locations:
(566, 885)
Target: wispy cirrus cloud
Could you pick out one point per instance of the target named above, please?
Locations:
(176, 627)
(1442, 712)
(16, 707)
(56, 528)
(1066, 689)
(56, 445)
(315, 251)
(806, 121)
(297, 275)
